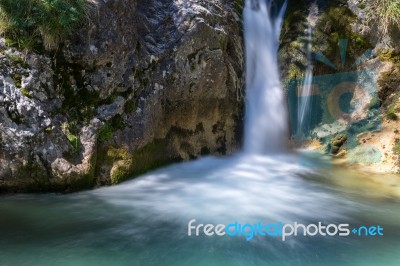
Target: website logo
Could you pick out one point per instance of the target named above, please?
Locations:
(280, 230)
(341, 104)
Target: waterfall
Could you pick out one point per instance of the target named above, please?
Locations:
(303, 120)
(266, 125)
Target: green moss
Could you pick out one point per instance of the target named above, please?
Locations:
(293, 26)
(388, 92)
(26, 93)
(79, 104)
(361, 5)
(125, 164)
(389, 55)
(335, 24)
(152, 156)
(294, 72)
(17, 61)
(117, 122)
(70, 132)
(80, 183)
(105, 133)
(129, 107)
(74, 140)
(117, 153)
(121, 162)
(17, 78)
(391, 116)
(192, 67)
(392, 109)
(121, 172)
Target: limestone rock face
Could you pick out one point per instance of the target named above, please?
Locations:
(142, 84)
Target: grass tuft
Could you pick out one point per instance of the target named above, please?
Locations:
(27, 23)
(385, 13)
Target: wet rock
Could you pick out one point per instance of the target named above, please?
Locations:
(160, 79)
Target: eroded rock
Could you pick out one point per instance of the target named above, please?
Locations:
(160, 80)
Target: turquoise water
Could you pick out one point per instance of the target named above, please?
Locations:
(144, 221)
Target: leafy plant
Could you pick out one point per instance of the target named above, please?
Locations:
(106, 133)
(385, 13)
(71, 133)
(26, 23)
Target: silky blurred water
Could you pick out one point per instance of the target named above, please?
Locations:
(144, 221)
(266, 126)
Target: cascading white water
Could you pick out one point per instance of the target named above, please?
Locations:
(145, 221)
(304, 101)
(266, 126)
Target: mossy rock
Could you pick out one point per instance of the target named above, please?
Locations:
(124, 164)
(334, 25)
(337, 142)
(391, 116)
(153, 156)
(121, 171)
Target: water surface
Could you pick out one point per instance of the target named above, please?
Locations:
(144, 221)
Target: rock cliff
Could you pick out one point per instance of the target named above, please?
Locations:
(372, 143)
(143, 83)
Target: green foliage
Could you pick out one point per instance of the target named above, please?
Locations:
(239, 4)
(129, 107)
(26, 93)
(362, 5)
(25, 23)
(106, 133)
(385, 13)
(292, 40)
(17, 78)
(71, 133)
(17, 60)
(389, 55)
(121, 173)
(333, 25)
(48, 129)
(152, 156)
(117, 153)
